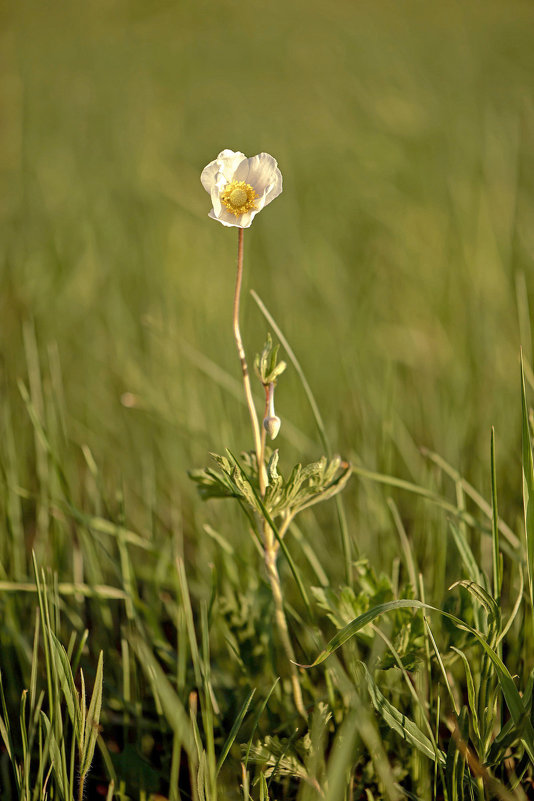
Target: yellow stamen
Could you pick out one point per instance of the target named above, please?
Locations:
(238, 197)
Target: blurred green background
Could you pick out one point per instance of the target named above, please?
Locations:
(398, 260)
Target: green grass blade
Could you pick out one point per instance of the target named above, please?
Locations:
(5, 731)
(528, 487)
(475, 496)
(93, 718)
(56, 756)
(510, 545)
(345, 538)
(471, 692)
(257, 717)
(399, 722)
(234, 730)
(496, 555)
(466, 554)
(66, 680)
(173, 708)
(509, 690)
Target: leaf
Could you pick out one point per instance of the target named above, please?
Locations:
(93, 718)
(496, 554)
(528, 486)
(5, 731)
(509, 734)
(401, 724)
(281, 542)
(466, 554)
(509, 690)
(471, 693)
(66, 680)
(485, 599)
(235, 728)
(55, 754)
(173, 708)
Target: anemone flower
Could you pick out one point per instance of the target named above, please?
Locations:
(240, 187)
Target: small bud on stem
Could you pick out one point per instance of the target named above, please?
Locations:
(271, 422)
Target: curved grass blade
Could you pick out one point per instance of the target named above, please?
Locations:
(470, 563)
(475, 496)
(93, 718)
(162, 688)
(320, 427)
(257, 717)
(528, 486)
(509, 690)
(496, 555)
(235, 728)
(433, 497)
(401, 724)
(66, 680)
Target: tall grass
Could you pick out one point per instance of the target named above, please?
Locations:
(396, 266)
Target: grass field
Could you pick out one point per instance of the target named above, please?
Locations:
(397, 264)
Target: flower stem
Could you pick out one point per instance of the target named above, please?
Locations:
(244, 366)
(269, 543)
(262, 441)
(281, 622)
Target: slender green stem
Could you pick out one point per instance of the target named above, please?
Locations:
(244, 366)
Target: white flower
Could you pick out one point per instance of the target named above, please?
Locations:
(240, 187)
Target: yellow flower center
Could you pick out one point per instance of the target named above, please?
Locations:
(238, 197)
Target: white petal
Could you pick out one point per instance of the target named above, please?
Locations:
(260, 171)
(221, 170)
(230, 220)
(216, 199)
(245, 221)
(229, 154)
(209, 174)
(229, 162)
(275, 189)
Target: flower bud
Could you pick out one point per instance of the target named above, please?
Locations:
(272, 426)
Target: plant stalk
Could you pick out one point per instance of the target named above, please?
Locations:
(281, 622)
(269, 543)
(244, 366)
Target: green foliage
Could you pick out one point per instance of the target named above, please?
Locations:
(266, 364)
(304, 487)
(142, 658)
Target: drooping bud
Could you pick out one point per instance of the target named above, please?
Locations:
(271, 422)
(272, 426)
